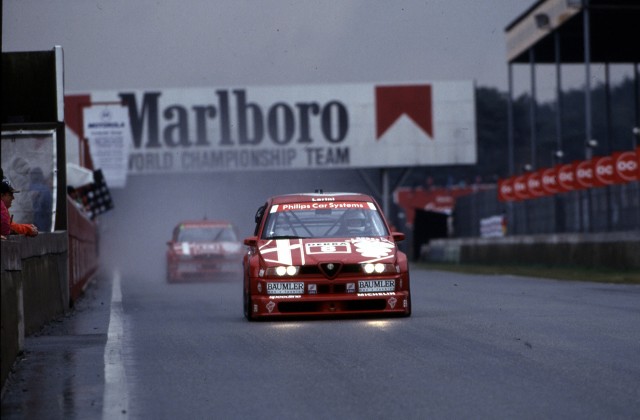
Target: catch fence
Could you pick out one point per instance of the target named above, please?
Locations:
(612, 208)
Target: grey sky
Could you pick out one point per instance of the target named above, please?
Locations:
(114, 44)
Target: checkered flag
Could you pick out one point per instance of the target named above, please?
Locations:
(96, 196)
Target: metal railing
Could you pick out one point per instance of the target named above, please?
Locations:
(613, 208)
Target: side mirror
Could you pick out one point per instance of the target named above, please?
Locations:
(251, 241)
(259, 213)
(169, 243)
(398, 236)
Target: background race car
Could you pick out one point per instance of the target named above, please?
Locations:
(324, 254)
(203, 250)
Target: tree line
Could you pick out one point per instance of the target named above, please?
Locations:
(612, 124)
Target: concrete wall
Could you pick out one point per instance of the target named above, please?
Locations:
(35, 289)
(616, 250)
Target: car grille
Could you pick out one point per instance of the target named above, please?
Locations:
(208, 263)
(323, 270)
(344, 306)
(331, 288)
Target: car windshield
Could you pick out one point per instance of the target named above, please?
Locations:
(206, 234)
(326, 220)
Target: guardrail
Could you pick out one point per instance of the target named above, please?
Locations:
(616, 250)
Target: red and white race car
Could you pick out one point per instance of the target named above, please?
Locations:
(324, 254)
(203, 249)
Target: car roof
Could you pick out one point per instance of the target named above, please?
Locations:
(324, 196)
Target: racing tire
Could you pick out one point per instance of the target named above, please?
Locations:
(408, 313)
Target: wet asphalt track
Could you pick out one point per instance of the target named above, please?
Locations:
(475, 347)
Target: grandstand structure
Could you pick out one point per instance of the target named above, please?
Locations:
(577, 32)
(580, 33)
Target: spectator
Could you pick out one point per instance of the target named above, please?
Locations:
(42, 200)
(76, 198)
(5, 226)
(18, 173)
(6, 196)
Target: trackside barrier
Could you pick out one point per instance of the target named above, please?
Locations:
(83, 249)
(34, 288)
(616, 250)
(42, 277)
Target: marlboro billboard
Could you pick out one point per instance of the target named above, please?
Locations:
(294, 127)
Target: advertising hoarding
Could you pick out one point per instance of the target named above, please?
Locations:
(297, 127)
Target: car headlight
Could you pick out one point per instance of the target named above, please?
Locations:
(282, 270)
(378, 268)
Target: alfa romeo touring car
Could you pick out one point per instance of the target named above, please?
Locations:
(203, 250)
(324, 254)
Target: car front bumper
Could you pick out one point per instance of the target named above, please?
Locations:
(355, 304)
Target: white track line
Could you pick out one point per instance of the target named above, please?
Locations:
(115, 403)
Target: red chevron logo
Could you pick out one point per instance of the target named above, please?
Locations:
(415, 101)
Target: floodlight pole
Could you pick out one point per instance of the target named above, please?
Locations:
(636, 102)
(532, 108)
(587, 84)
(587, 106)
(510, 122)
(556, 38)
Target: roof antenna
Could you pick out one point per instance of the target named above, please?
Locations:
(319, 191)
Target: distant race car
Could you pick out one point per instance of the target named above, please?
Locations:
(203, 250)
(324, 254)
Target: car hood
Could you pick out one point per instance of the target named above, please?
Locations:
(219, 248)
(318, 250)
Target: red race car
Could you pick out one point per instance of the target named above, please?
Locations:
(324, 254)
(203, 249)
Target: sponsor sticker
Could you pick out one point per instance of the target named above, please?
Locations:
(323, 205)
(534, 184)
(373, 286)
(285, 288)
(521, 188)
(374, 248)
(328, 248)
(505, 190)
